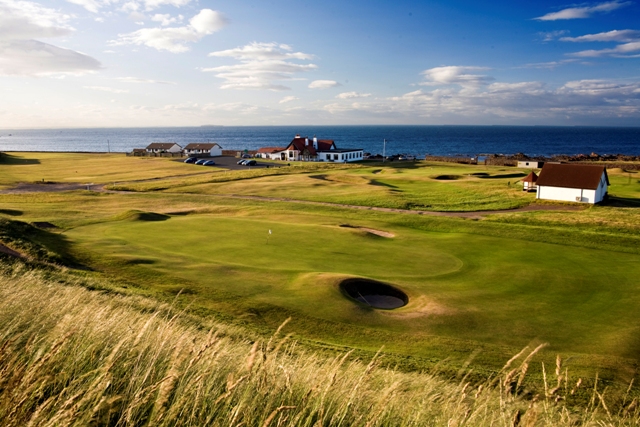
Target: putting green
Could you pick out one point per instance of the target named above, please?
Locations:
(461, 287)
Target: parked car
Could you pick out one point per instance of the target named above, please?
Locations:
(209, 163)
(241, 162)
(201, 161)
(250, 163)
(191, 160)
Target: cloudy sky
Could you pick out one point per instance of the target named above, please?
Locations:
(123, 63)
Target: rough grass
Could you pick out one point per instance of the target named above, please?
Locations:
(81, 358)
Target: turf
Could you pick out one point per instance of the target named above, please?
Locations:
(497, 284)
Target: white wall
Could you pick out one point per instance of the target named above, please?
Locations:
(216, 151)
(566, 194)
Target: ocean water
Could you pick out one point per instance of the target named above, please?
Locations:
(416, 140)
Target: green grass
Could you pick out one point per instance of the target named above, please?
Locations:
(568, 278)
(88, 358)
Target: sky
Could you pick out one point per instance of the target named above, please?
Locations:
(138, 63)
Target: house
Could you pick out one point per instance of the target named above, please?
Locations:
(530, 164)
(272, 153)
(203, 149)
(572, 183)
(319, 150)
(529, 182)
(163, 147)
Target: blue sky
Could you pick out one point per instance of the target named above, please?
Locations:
(122, 63)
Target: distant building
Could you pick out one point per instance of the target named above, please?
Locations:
(530, 164)
(163, 147)
(273, 153)
(203, 149)
(572, 183)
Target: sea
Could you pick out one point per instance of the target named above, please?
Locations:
(412, 140)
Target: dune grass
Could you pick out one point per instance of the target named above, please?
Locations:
(81, 358)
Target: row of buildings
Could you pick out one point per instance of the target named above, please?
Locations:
(299, 149)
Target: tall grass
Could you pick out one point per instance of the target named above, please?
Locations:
(73, 357)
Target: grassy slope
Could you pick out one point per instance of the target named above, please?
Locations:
(524, 277)
(86, 358)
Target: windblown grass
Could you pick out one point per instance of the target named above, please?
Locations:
(73, 357)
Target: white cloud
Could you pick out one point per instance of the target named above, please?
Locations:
(464, 76)
(626, 50)
(90, 5)
(139, 80)
(323, 84)
(609, 36)
(288, 99)
(551, 35)
(262, 52)
(352, 95)
(175, 39)
(34, 58)
(154, 4)
(21, 20)
(106, 89)
(549, 65)
(261, 66)
(583, 12)
(166, 19)
(20, 23)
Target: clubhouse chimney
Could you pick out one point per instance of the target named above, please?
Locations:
(315, 142)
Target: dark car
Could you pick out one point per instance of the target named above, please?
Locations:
(201, 161)
(250, 163)
(209, 163)
(241, 162)
(191, 160)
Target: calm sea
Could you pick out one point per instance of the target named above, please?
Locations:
(416, 140)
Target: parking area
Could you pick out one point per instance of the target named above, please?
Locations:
(231, 163)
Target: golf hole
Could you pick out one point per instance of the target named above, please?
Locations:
(373, 293)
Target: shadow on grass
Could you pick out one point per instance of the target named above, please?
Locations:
(8, 159)
(40, 244)
(621, 202)
(10, 212)
(505, 175)
(381, 184)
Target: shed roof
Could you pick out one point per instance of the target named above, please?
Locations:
(161, 145)
(532, 177)
(572, 176)
(201, 146)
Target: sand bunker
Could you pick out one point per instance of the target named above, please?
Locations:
(373, 293)
(370, 230)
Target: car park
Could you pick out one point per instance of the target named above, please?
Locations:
(191, 160)
(201, 161)
(209, 163)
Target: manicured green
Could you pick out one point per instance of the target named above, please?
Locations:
(496, 284)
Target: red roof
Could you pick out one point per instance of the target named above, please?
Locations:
(271, 149)
(532, 177)
(572, 176)
(300, 144)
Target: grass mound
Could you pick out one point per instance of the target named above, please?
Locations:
(136, 215)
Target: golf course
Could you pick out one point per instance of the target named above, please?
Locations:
(487, 270)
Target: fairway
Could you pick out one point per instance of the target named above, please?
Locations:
(467, 287)
(486, 284)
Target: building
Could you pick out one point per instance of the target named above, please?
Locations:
(529, 182)
(273, 153)
(572, 183)
(203, 149)
(324, 150)
(163, 147)
(530, 164)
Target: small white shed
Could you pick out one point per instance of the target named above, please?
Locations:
(163, 147)
(203, 148)
(572, 183)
